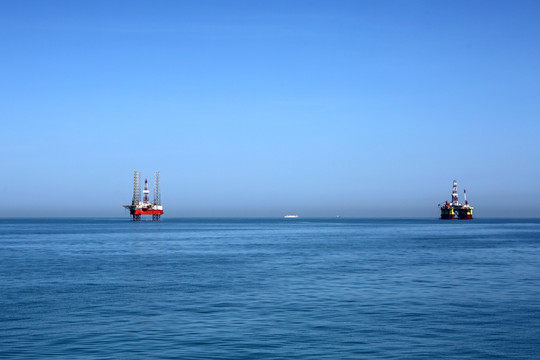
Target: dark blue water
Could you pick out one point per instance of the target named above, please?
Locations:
(269, 289)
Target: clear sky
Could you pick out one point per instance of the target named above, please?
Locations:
(267, 108)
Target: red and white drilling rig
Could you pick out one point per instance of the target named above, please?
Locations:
(139, 208)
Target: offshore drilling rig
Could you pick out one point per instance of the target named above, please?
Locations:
(450, 210)
(145, 207)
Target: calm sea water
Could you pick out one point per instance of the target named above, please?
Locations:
(269, 289)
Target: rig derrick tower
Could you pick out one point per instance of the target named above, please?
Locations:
(139, 208)
(157, 195)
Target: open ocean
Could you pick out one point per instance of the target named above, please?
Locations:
(269, 289)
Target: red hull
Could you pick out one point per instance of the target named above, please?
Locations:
(148, 212)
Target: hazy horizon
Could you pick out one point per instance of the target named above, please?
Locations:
(261, 109)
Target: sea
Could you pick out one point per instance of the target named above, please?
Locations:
(300, 288)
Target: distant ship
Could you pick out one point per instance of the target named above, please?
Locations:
(290, 216)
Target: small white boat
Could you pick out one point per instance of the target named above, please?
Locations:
(290, 216)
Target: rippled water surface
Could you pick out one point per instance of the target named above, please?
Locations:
(269, 289)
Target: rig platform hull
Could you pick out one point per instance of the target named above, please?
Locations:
(148, 212)
(450, 214)
(465, 214)
(137, 213)
(447, 214)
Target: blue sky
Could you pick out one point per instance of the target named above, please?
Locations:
(264, 108)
